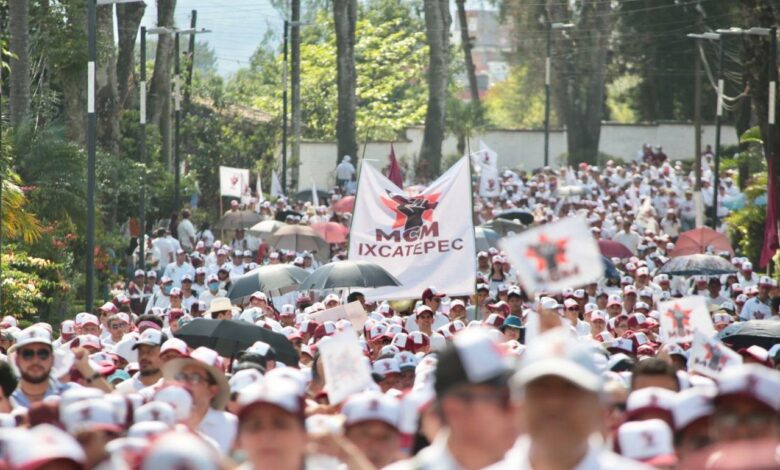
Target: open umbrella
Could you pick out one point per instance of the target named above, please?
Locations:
(347, 274)
(345, 204)
(692, 265)
(281, 216)
(485, 238)
(699, 240)
(305, 195)
(764, 333)
(229, 337)
(237, 220)
(299, 238)
(505, 227)
(273, 279)
(524, 217)
(614, 249)
(331, 232)
(265, 228)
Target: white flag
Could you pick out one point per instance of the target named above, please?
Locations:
(708, 356)
(681, 317)
(423, 240)
(233, 181)
(259, 190)
(276, 186)
(485, 160)
(315, 198)
(555, 256)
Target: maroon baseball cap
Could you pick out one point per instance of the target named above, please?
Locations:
(430, 293)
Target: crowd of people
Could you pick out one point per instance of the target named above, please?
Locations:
(459, 382)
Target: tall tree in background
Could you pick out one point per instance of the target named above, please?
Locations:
(128, 16)
(437, 33)
(160, 87)
(19, 47)
(579, 82)
(345, 19)
(465, 41)
(106, 97)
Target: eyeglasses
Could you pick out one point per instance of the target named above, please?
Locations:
(752, 420)
(29, 354)
(192, 379)
(115, 326)
(573, 309)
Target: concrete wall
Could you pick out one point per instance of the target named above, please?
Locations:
(520, 149)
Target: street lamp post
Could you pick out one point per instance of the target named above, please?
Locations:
(547, 65)
(718, 117)
(178, 114)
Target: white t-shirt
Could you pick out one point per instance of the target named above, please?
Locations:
(220, 426)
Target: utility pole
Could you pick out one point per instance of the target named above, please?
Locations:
(285, 68)
(467, 46)
(177, 124)
(697, 117)
(142, 149)
(295, 53)
(190, 65)
(772, 98)
(718, 119)
(91, 147)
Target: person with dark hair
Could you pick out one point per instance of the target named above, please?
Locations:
(654, 372)
(186, 231)
(8, 384)
(357, 296)
(149, 362)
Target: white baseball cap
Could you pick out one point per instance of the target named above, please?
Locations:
(178, 397)
(94, 413)
(556, 353)
(649, 441)
(690, 405)
(372, 406)
(155, 411)
(31, 335)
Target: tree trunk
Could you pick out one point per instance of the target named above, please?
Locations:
(741, 124)
(160, 86)
(345, 17)
(105, 82)
(437, 29)
(579, 82)
(19, 47)
(129, 17)
(471, 70)
(295, 93)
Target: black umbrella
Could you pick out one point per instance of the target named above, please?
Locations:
(345, 274)
(273, 279)
(281, 216)
(305, 195)
(692, 265)
(229, 337)
(524, 217)
(764, 333)
(485, 238)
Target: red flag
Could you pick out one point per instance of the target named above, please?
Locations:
(770, 229)
(394, 173)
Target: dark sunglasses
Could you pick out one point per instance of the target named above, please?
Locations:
(28, 354)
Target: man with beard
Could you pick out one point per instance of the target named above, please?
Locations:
(34, 358)
(149, 363)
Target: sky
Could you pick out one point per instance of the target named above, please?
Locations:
(237, 26)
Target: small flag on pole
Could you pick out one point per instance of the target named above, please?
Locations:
(276, 186)
(394, 173)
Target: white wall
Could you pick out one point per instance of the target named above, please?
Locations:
(520, 149)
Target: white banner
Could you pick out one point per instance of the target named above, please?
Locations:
(708, 356)
(276, 186)
(680, 318)
(486, 162)
(555, 256)
(423, 240)
(346, 369)
(233, 182)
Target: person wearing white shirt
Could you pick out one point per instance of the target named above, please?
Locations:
(186, 232)
(212, 291)
(628, 237)
(345, 171)
(758, 307)
(237, 267)
(179, 268)
(164, 248)
(210, 394)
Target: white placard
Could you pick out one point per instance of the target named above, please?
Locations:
(708, 356)
(681, 317)
(346, 370)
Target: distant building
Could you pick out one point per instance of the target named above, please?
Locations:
(491, 44)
